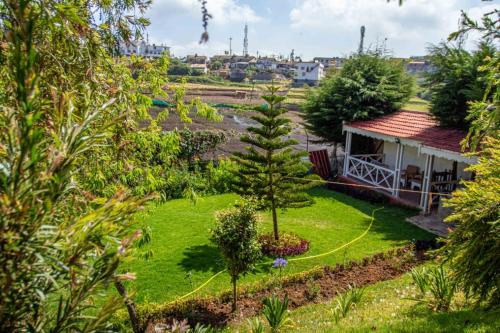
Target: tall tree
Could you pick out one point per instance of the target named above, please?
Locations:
(471, 249)
(270, 169)
(369, 85)
(456, 80)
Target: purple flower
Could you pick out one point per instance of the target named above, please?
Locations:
(280, 263)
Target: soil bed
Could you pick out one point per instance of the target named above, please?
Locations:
(216, 311)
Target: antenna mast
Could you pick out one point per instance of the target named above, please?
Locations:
(245, 42)
(230, 45)
(362, 39)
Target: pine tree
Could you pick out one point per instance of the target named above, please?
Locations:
(270, 170)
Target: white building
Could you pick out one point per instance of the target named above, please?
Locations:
(309, 73)
(142, 49)
(408, 156)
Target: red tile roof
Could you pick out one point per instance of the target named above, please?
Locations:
(414, 125)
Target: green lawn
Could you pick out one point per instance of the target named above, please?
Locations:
(181, 240)
(385, 307)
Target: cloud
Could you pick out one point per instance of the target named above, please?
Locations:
(417, 22)
(222, 11)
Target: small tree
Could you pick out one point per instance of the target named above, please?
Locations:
(235, 234)
(270, 169)
(368, 86)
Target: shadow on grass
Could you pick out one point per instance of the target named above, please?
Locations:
(389, 221)
(425, 320)
(202, 258)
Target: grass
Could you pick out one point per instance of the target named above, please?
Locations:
(182, 248)
(385, 307)
(417, 104)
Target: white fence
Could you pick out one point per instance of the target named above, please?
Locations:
(369, 168)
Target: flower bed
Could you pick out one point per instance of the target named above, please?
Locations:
(288, 245)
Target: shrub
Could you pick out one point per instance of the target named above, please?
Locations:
(287, 245)
(235, 234)
(276, 313)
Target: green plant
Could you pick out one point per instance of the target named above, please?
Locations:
(313, 289)
(436, 287)
(442, 287)
(255, 325)
(276, 313)
(235, 234)
(346, 301)
(419, 276)
(270, 169)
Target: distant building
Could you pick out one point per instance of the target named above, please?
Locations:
(330, 62)
(266, 63)
(203, 68)
(142, 49)
(226, 59)
(197, 63)
(418, 67)
(309, 73)
(196, 59)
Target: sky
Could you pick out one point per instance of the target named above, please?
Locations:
(312, 28)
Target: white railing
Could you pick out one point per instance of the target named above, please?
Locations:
(369, 169)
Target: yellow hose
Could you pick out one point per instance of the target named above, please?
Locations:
(290, 260)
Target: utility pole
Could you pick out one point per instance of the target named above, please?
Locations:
(245, 42)
(362, 40)
(230, 45)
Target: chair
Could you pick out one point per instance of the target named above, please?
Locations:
(411, 174)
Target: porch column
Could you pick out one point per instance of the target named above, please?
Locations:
(397, 172)
(347, 152)
(426, 183)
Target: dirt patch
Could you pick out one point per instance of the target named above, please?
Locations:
(216, 311)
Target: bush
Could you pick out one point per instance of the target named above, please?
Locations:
(288, 245)
(235, 234)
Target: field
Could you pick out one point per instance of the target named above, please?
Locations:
(236, 121)
(184, 257)
(386, 307)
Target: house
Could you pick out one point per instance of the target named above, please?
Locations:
(327, 62)
(407, 156)
(197, 63)
(196, 59)
(308, 73)
(142, 49)
(266, 64)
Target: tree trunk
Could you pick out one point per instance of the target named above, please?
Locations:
(233, 307)
(132, 312)
(275, 222)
